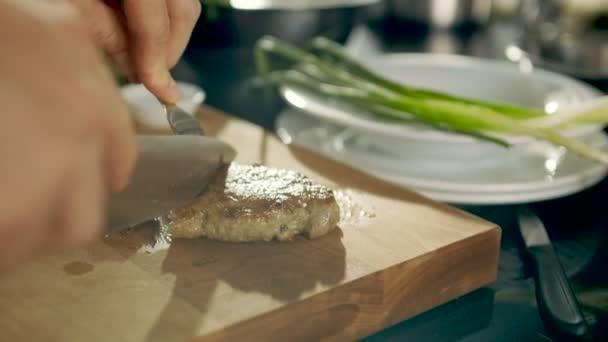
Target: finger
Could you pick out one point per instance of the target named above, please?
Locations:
(183, 15)
(83, 205)
(119, 133)
(120, 143)
(109, 32)
(20, 243)
(121, 149)
(108, 116)
(148, 23)
(25, 220)
(115, 4)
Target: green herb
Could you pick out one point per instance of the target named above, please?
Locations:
(326, 46)
(326, 70)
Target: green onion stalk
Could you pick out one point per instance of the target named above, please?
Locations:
(344, 79)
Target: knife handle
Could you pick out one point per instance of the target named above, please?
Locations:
(557, 303)
(181, 122)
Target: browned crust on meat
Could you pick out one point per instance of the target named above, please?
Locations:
(257, 203)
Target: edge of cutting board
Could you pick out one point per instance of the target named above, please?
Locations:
(358, 311)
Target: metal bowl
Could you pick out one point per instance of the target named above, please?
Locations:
(568, 40)
(442, 14)
(291, 4)
(584, 57)
(242, 22)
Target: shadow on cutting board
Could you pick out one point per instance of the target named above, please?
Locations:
(202, 268)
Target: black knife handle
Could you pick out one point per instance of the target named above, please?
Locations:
(557, 303)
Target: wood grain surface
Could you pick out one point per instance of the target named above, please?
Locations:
(410, 255)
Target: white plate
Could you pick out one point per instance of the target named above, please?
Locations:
(490, 80)
(523, 178)
(537, 167)
(148, 111)
(492, 199)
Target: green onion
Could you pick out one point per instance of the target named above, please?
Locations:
(343, 79)
(331, 48)
(592, 112)
(371, 104)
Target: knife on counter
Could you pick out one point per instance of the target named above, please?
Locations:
(557, 304)
(170, 172)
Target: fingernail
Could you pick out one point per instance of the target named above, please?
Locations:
(174, 93)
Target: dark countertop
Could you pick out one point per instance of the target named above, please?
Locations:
(505, 311)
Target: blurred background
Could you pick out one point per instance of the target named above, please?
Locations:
(569, 36)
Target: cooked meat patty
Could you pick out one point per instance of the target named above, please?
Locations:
(257, 203)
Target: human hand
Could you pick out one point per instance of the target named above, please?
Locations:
(144, 38)
(66, 137)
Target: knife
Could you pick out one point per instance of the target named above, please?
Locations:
(181, 122)
(170, 172)
(556, 301)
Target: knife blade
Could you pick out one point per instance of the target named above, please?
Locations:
(170, 172)
(556, 301)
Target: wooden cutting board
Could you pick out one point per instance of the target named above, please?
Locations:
(406, 255)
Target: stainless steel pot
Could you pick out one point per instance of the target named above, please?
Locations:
(569, 39)
(242, 22)
(442, 14)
